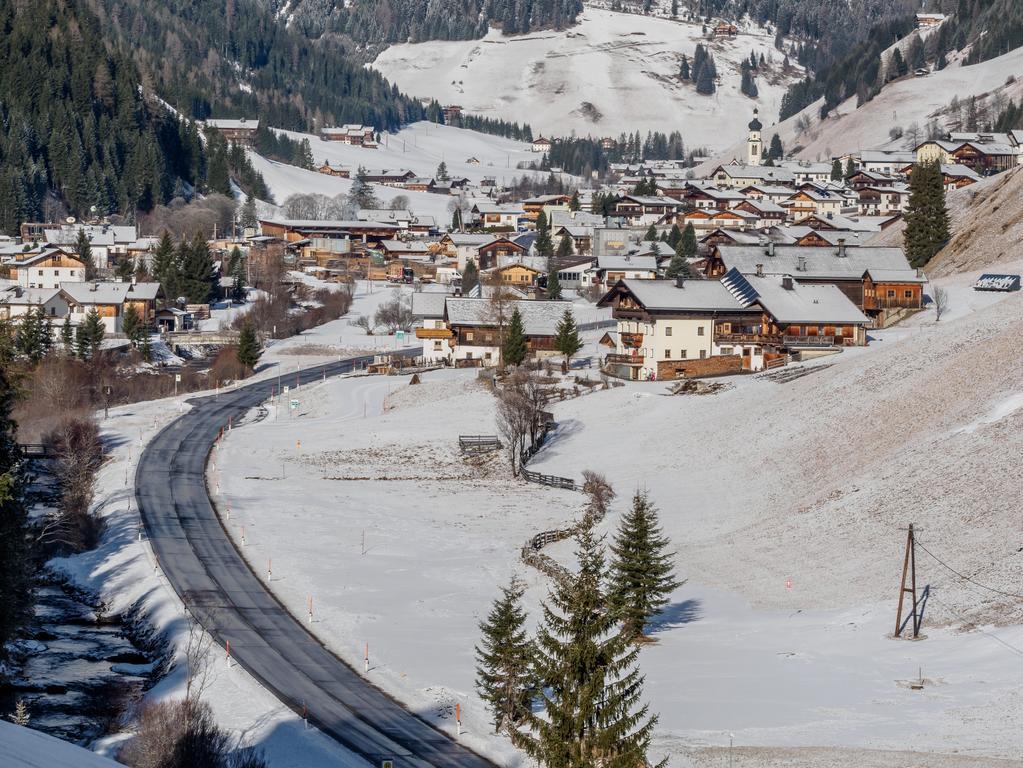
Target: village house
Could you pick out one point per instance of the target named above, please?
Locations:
(240, 131)
(515, 275)
(575, 273)
(497, 216)
(541, 144)
(463, 247)
(321, 234)
(809, 201)
(428, 309)
(582, 237)
(352, 134)
(767, 213)
(952, 176)
(332, 170)
(108, 243)
(803, 172)
(845, 267)
(534, 205)
(642, 210)
(478, 326)
(608, 269)
(739, 176)
(110, 300)
(46, 268)
(882, 201)
(884, 161)
(496, 251)
(17, 301)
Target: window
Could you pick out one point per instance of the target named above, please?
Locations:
(486, 355)
(726, 351)
(699, 331)
(667, 354)
(468, 335)
(667, 331)
(891, 293)
(436, 346)
(683, 354)
(703, 354)
(908, 294)
(40, 273)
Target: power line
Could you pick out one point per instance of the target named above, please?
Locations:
(964, 577)
(968, 623)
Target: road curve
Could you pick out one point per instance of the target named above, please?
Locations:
(232, 604)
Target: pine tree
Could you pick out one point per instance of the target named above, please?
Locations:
(566, 249)
(573, 202)
(567, 340)
(683, 70)
(166, 266)
(305, 159)
(688, 242)
(850, 167)
(642, 576)
(674, 236)
(592, 688)
(836, 170)
(927, 224)
(145, 349)
(248, 217)
(553, 284)
(16, 561)
(651, 233)
(67, 335)
(131, 324)
(83, 248)
(504, 660)
(544, 244)
(776, 151)
(442, 172)
(90, 335)
(748, 86)
(197, 271)
(28, 339)
(515, 347)
(678, 266)
(470, 277)
(249, 348)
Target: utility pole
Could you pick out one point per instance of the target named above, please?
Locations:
(908, 570)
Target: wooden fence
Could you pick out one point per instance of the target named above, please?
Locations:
(478, 443)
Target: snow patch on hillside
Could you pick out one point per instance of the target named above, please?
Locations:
(608, 74)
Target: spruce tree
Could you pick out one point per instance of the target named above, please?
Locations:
(442, 172)
(67, 335)
(131, 324)
(836, 170)
(651, 233)
(83, 249)
(775, 151)
(15, 550)
(515, 347)
(553, 283)
(850, 167)
(927, 225)
(642, 576)
(28, 339)
(592, 688)
(683, 70)
(544, 244)
(678, 266)
(565, 250)
(166, 266)
(249, 348)
(248, 218)
(470, 277)
(504, 660)
(90, 335)
(688, 243)
(567, 340)
(573, 202)
(674, 236)
(197, 271)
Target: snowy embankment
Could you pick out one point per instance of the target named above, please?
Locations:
(123, 572)
(785, 503)
(25, 748)
(609, 74)
(420, 148)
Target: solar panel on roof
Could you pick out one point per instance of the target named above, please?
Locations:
(739, 287)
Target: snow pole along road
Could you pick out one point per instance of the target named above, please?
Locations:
(226, 597)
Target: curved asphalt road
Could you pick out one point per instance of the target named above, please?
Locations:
(227, 598)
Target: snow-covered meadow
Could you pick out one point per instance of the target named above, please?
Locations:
(785, 502)
(606, 75)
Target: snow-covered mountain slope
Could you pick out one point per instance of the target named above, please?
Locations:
(611, 73)
(987, 226)
(420, 147)
(25, 748)
(903, 104)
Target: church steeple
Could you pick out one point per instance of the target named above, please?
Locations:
(754, 144)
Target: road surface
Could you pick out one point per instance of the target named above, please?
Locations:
(228, 599)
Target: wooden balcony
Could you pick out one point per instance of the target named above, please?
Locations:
(812, 341)
(433, 333)
(615, 359)
(633, 340)
(747, 338)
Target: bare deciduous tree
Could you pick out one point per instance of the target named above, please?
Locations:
(72, 525)
(363, 321)
(513, 423)
(199, 662)
(940, 299)
(396, 314)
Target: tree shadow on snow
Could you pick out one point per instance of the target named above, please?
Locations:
(674, 615)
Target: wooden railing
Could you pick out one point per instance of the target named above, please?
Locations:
(478, 443)
(617, 359)
(747, 338)
(812, 341)
(434, 333)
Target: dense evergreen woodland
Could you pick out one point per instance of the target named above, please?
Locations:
(209, 58)
(73, 125)
(398, 21)
(581, 156)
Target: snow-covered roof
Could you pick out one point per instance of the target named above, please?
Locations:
(895, 276)
(804, 303)
(16, 295)
(28, 258)
(462, 239)
(400, 246)
(887, 156)
(428, 304)
(231, 124)
(761, 172)
(110, 293)
(383, 214)
(69, 236)
(627, 262)
(812, 261)
(539, 318)
(693, 296)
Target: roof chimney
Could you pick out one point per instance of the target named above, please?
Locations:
(786, 283)
(680, 282)
(760, 270)
(841, 247)
(801, 263)
(770, 248)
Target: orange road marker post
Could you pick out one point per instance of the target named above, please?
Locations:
(367, 658)
(458, 717)
(310, 609)
(228, 657)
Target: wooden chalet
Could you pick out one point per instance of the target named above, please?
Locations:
(330, 170)
(489, 255)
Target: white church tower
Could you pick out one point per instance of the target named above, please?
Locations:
(754, 144)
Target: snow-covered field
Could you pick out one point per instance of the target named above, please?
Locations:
(610, 73)
(419, 147)
(785, 503)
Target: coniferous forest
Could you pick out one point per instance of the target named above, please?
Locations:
(74, 129)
